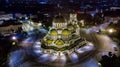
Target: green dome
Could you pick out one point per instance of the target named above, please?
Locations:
(49, 41)
(70, 27)
(59, 42)
(53, 32)
(66, 32)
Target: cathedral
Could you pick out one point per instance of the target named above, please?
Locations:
(64, 36)
(65, 44)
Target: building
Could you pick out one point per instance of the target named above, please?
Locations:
(63, 35)
(112, 16)
(30, 25)
(10, 27)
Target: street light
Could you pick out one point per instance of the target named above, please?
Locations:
(111, 30)
(39, 24)
(13, 43)
(14, 38)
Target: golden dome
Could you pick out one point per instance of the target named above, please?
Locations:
(66, 32)
(53, 32)
(49, 41)
(59, 42)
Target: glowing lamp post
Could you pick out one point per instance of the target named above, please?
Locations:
(111, 30)
(14, 38)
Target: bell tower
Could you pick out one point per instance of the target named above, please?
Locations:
(73, 18)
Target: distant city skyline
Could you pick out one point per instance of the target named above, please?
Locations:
(56, 1)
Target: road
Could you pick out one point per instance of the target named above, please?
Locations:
(100, 44)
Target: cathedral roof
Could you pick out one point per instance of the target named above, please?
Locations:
(53, 32)
(59, 19)
(66, 32)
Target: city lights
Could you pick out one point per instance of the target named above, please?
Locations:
(111, 30)
(13, 43)
(59, 33)
(39, 24)
(14, 38)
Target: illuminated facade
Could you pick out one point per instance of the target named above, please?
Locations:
(63, 37)
(29, 26)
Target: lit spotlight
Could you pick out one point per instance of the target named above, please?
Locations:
(87, 48)
(38, 51)
(90, 44)
(37, 47)
(74, 57)
(79, 51)
(53, 57)
(38, 42)
(63, 58)
(44, 57)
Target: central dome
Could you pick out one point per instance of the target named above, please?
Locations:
(59, 22)
(59, 19)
